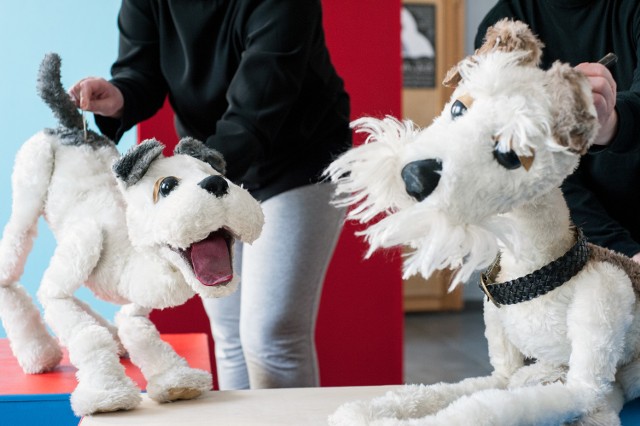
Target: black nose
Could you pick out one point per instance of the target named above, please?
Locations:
(215, 185)
(421, 177)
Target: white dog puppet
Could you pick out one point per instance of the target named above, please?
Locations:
(150, 234)
(484, 179)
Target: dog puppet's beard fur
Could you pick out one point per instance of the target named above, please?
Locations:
(441, 243)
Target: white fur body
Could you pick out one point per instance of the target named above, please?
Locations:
(120, 243)
(583, 335)
(93, 200)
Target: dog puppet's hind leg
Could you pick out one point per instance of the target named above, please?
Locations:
(168, 375)
(35, 349)
(102, 382)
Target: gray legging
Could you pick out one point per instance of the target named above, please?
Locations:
(264, 333)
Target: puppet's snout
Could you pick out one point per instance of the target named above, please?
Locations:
(421, 177)
(215, 185)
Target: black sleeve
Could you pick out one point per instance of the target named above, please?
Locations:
(136, 72)
(586, 209)
(277, 42)
(589, 214)
(627, 137)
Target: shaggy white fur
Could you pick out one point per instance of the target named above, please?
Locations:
(152, 237)
(484, 179)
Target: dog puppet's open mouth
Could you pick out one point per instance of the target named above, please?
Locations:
(210, 258)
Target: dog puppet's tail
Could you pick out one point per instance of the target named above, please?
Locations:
(32, 345)
(52, 92)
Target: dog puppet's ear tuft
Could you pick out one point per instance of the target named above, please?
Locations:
(133, 165)
(575, 123)
(505, 35)
(197, 149)
(509, 36)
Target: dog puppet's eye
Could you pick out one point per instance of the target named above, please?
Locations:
(164, 186)
(509, 160)
(458, 109)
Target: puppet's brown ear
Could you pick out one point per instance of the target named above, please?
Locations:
(575, 123)
(452, 78)
(507, 36)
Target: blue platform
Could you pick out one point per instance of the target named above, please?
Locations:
(37, 409)
(630, 414)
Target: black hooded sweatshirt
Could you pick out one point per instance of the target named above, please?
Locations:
(251, 78)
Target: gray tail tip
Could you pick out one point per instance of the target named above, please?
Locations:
(49, 72)
(50, 89)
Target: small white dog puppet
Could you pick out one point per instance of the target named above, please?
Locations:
(150, 233)
(562, 316)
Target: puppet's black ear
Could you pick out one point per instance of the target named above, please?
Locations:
(132, 166)
(197, 149)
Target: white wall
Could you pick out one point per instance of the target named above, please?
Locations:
(84, 33)
(475, 10)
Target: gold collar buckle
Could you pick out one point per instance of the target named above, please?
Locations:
(485, 289)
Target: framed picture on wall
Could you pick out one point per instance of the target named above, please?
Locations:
(432, 39)
(418, 37)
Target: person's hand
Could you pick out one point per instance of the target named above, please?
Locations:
(636, 258)
(98, 96)
(603, 87)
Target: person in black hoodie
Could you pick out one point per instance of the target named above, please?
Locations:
(252, 79)
(604, 192)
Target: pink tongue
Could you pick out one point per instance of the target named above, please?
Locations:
(211, 261)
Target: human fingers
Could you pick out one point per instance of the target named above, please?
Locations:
(86, 89)
(74, 93)
(603, 98)
(98, 96)
(603, 87)
(598, 73)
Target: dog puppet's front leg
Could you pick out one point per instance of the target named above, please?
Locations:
(168, 375)
(102, 382)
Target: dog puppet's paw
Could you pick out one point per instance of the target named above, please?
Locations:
(365, 413)
(178, 383)
(37, 356)
(86, 400)
(356, 413)
(408, 402)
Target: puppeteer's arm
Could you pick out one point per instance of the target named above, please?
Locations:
(136, 72)
(277, 39)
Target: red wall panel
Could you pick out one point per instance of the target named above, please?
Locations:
(360, 325)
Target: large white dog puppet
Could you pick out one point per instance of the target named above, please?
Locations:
(150, 233)
(561, 316)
